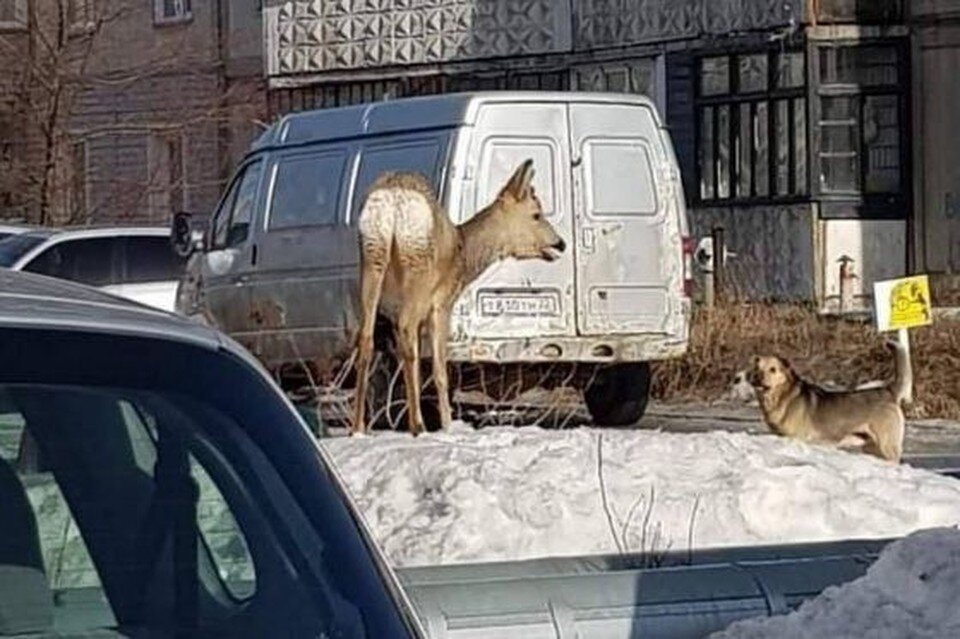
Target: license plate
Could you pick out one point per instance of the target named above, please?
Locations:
(519, 304)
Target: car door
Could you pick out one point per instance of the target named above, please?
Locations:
(532, 297)
(228, 260)
(624, 249)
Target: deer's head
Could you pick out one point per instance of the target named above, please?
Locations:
(522, 231)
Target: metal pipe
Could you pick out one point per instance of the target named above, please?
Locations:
(719, 251)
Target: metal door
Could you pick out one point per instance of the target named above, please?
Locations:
(624, 253)
(531, 297)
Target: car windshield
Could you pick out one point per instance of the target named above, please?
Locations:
(13, 247)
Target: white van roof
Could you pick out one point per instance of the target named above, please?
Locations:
(413, 114)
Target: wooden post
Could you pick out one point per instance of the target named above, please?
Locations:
(903, 336)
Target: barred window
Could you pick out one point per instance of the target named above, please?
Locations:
(861, 113)
(752, 127)
(172, 11)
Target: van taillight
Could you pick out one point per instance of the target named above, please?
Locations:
(689, 247)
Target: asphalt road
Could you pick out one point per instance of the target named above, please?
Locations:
(932, 443)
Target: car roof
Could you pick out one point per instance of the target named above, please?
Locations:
(413, 113)
(35, 301)
(15, 229)
(100, 231)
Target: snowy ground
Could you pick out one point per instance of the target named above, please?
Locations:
(517, 493)
(909, 592)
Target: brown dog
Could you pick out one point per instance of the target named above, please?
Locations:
(871, 419)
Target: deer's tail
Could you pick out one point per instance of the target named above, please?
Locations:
(903, 380)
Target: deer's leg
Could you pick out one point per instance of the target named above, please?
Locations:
(439, 332)
(371, 283)
(408, 342)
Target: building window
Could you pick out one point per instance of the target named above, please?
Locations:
(859, 12)
(13, 14)
(175, 183)
(165, 164)
(80, 16)
(752, 127)
(9, 154)
(861, 113)
(78, 181)
(172, 11)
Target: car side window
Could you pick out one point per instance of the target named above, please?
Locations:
(306, 190)
(222, 536)
(150, 259)
(232, 224)
(420, 156)
(89, 261)
(99, 503)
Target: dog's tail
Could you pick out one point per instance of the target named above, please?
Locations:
(903, 380)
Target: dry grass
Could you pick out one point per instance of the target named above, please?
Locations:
(822, 349)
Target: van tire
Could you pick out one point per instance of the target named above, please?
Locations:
(618, 394)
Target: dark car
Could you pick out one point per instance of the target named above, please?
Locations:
(154, 482)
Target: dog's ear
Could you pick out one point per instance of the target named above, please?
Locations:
(788, 367)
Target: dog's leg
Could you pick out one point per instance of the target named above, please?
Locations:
(887, 442)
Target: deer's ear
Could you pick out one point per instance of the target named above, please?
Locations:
(519, 183)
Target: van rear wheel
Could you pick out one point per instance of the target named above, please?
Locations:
(618, 394)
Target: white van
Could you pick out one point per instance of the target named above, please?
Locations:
(278, 265)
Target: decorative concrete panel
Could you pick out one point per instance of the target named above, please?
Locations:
(604, 23)
(312, 36)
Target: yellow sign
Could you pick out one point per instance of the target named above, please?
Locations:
(902, 303)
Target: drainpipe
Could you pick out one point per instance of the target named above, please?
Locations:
(719, 259)
(846, 283)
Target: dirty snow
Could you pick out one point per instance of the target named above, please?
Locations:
(909, 592)
(516, 493)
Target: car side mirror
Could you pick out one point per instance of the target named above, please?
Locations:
(184, 237)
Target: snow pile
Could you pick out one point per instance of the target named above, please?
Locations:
(909, 592)
(518, 493)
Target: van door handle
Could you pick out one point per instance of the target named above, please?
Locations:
(588, 239)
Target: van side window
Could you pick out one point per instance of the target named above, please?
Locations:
(232, 223)
(620, 173)
(501, 157)
(420, 156)
(306, 190)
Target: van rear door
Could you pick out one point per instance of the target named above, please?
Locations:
(533, 297)
(628, 246)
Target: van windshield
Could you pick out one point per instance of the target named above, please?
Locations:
(14, 247)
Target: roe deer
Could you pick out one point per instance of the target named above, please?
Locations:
(414, 263)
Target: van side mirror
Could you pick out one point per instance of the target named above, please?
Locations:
(183, 236)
